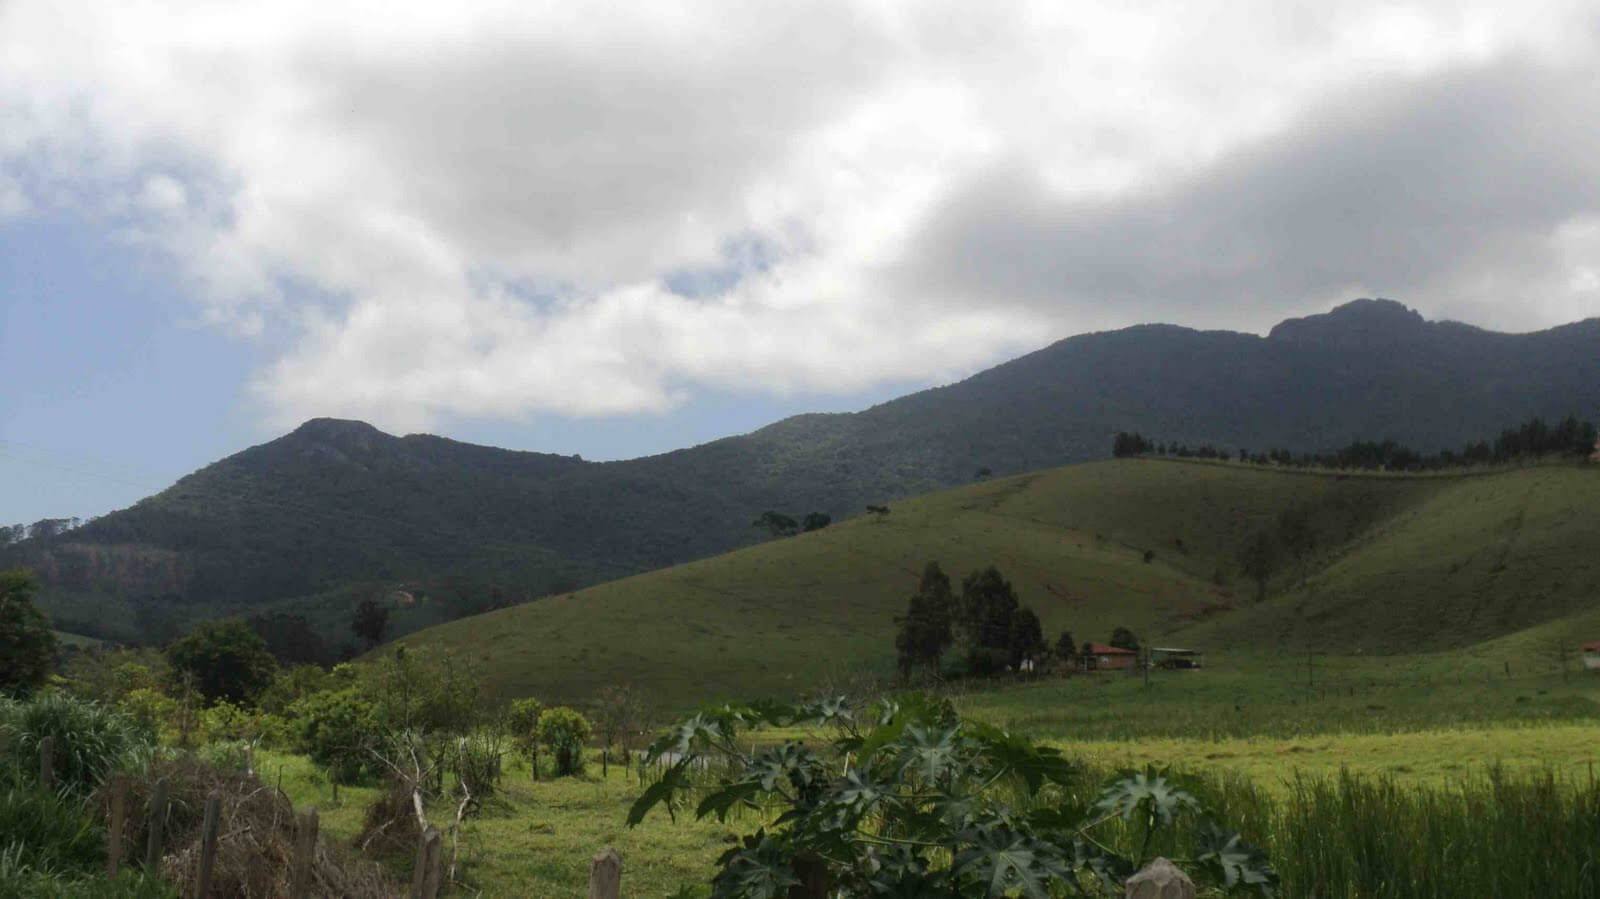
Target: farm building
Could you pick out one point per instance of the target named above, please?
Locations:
(1173, 657)
(1102, 657)
(1591, 655)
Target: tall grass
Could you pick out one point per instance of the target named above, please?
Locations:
(92, 741)
(1357, 837)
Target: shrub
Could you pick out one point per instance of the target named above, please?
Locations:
(565, 732)
(336, 729)
(475, 761)
(149, 709)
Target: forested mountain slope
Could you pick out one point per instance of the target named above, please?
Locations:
(339, 509)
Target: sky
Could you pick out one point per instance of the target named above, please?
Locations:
(618, 229)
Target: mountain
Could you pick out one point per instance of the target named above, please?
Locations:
(337, 510)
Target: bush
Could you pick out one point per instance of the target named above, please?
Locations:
(22, 879)
(149, 709)
(475, 761)
(565, 732)
(224, 755)
(336, 729)
(92, 741)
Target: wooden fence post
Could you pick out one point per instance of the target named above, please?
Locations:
(1160, 879)
(47, 763)
(425, 881)
(157, 822)
(116, 815)
(605, 875)
(813, 875)
(208, 845)
(305, 852)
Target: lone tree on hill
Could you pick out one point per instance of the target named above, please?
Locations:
(27, 644)
(370, 620)
(816, 521)
(926, 629)
(1127, 444)
(777, 524)
(1259, 561)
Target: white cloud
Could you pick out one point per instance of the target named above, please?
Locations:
(475, 209)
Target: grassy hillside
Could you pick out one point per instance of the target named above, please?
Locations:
(1474, 559)
(1400, 562)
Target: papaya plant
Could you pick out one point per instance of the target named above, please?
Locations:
(909, 800)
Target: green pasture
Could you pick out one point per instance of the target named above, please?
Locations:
(1397, 565)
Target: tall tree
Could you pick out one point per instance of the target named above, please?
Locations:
(926, 630)
(1123, 638)
(1026, 641)
(226, 658)
(1259, 561)
(1066, 648)
(370, 621)
(988, 604)
(27, 644)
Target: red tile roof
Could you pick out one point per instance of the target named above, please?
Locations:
(1101, 649)
(1592, 646)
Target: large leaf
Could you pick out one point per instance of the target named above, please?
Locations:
(760, 868)
(1001, 860)
(674, 780)
(1235, 862)
(1148, 794)
(932, 755)
(1009, 753)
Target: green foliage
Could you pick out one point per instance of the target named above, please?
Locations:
(910, 801)
(91, 740)
(815, 521)
(27, 644)
(1065, 648)
(777, 524)
(1259, 561)
(1127, 444)
(420, 690)
(338, 729)
(369, 621)
(1123, 638)
(225, 660)
(927, 628)
(565, 732)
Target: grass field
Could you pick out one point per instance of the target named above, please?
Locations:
(1399, 565)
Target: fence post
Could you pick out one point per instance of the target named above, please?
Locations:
(115, 815)
(305, 850)
(208, 845)
(605, 875)
(47, 762)
(156, 823)
(425, 881)
(812, 873)
(1160, 879)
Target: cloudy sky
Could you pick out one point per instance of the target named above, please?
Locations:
(615, 229)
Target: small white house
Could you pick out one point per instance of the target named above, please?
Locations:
(1591, 655)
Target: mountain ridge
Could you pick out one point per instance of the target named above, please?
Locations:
(338, 508)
